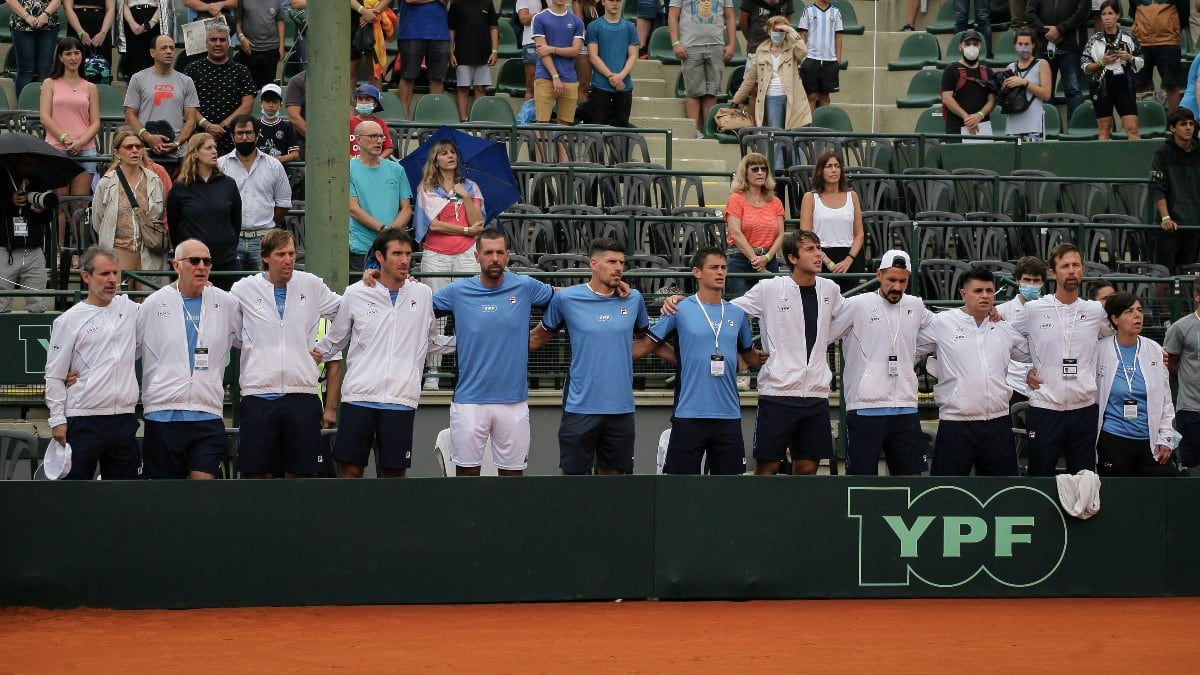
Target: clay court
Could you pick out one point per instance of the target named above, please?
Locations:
(1148, 635)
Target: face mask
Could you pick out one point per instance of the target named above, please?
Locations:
(777, 36)
(1029, 291)
(1024, 52)
(364, 108)
(971, 52)
(245, 148)
(267, 115)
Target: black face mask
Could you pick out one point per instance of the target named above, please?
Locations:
(245, 148)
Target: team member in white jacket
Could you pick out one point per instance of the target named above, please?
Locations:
(184, 337)
(390, 328)
(281, 414)
(1030, 275)
(880, 344)
(793, 315)
(1063, 332)
(972, 393)
(1134, 395)
(96, 339)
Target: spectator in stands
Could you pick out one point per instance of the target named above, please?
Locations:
(1030, 275)
(832, 210)
(184, 340)
(1175, 191)
(1111, 57)
(142, 21)
(1032, 75)
(96, 338)
(526, 10)
(972, 393)
(263, 187)
(472, 31)
(296, 11)
(205, 204)
(70, 116)
(212, 9)
(1100, 291)
(260, 33)
(1182, 346)
(1016, 13)
(280, 411)
(163, 122)
(754, 219)
(587, 11)
(967, 92)
(649, 16)
(707, 417)
(92, 22)
(34, 28)
(1189, 98)
(378, 406)
(294, 101)
(424, 37)
(821, 27)
(224, 86)
(558, 35)
(380, 196)
(983, 20)
(597, 430)
(1061, 26)
(1135, 426)
(491, 323)
(447, 219)
(112, 214)
(1063, 331)
(911, 20)
(366, 104)
(361, 16)
(276, 136)
(881, 383)
(613, 50)
(1158, 26)
(752, 21)
(780, 102)
(25, 224)
(703, 35)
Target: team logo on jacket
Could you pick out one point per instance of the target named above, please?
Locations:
(512, 299)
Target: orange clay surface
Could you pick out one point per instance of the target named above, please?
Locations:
(1154, 635)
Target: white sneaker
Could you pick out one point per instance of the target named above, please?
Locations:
(699, 134)
(431, 383)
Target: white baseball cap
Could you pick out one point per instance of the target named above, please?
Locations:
(272, 88)
(57, 462)
(897, 259)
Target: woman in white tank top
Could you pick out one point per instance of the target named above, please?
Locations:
(832, 210)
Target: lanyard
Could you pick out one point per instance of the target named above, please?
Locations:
(716, 331)
(894, 334)
(1137, 352)
(1068, 330)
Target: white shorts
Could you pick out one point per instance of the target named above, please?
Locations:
(507, 424)
(474, 76)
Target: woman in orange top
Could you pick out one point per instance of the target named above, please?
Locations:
(754, 219)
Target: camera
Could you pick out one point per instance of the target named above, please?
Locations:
(43, 200)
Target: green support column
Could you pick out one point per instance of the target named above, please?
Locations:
(326, 180)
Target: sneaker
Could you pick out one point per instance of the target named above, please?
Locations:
(431, 383)
(644, 57)
(699, 135)
(906, 28)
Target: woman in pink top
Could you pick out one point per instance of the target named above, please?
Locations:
(70, 113)
(754, 219)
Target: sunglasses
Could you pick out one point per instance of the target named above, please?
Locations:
(132, 146)
(196, 261)
(757, 168)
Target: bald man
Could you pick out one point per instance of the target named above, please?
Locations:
(380, 196)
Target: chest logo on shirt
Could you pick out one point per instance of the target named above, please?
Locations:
(92, 327)
(624, 311)
(302, 298)
(279, 135)
(512, 299)
(785, 307)
(603, 317)
(260, 306)
(372, 309)
(163, 92)
(163, 310)
(825, 299)
(488, 308)
(730, 323)
(959, 335)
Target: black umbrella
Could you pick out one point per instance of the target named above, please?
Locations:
(53, 169)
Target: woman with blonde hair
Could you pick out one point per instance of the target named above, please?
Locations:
(113, 215)
(205, 204)
(754, 220)
(781, 101)
(832, 210)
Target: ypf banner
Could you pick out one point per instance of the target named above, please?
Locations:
(945, 536)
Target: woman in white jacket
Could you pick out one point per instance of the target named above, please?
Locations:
(1134, 395)
(112, 216)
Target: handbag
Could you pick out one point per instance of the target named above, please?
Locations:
(363, 40)
(152, 232)
(732, 119)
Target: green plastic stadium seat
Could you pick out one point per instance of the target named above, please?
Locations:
(510, 47)
(492, 109)
(30, 97)
(629, 10)
(436, 108)
(1003, 49)
(944, 23)
(508, 8)
(5, 31)
(1082, 126)
(4, 102)
(511, 79)
(392, 109)
(1053, 121)
(924, 90)
(850, 24)
(832, 117)
(710, 127)
(112, 102)
(953, 51)
(660, 46)
(930, 121)
(917, 51)
(1152, 119)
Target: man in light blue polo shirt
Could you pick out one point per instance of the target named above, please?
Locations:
(597, 429)
(491, 322)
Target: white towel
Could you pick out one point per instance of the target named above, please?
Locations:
(1079, 493)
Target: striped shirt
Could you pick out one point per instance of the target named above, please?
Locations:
(822, 26)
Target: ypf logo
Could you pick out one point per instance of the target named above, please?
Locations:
(946, 536)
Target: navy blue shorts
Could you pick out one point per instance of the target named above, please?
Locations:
(587, 442)
(649, 9)
(172, 449)
(107, 440)
(987, 446)
(691, 438)
(1054, 434)
(897, 437)
(281, 435)
(1187, 423)
(1165, 59)
(799, 423)
(360, 428)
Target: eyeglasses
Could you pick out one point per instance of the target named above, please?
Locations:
(132, 146)
(196, 261)
(244, 132)
(757, 168)
(373, 137)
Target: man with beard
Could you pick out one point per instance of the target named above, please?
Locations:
(263, 185)
(597, 429)
(879, 333)
(967, 92)
(491, 322)
(1063, 332)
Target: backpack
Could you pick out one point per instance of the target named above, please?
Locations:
(515, 20)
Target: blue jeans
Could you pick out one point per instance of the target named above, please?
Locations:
(775, 116)
(1068, 64)
(35, 53)
(249, 254)
(737, 287)
(983, 20)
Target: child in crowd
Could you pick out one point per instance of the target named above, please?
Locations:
(366, 104)
(276, 136)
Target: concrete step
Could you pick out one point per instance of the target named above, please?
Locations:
(653, 87)
(681, 126)
(645, 106)
(892, 13)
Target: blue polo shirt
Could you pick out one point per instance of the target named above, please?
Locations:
(427, 21)
(699, 394)
(559, 31)
(492, 330)
(601, 328)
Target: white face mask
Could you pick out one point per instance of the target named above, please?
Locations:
(777, 36)
(971, 52)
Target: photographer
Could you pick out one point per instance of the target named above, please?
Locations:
(1111, 57)
(28, 209)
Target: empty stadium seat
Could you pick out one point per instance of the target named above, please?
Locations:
(917, 51)
(924, 89)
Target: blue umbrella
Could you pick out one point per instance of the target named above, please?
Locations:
(481, 160)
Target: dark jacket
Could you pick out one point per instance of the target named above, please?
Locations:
(1175, 176)
(1069, 16)
(209, 211)
(38, 223)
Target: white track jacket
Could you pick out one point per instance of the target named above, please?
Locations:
(99, 344)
